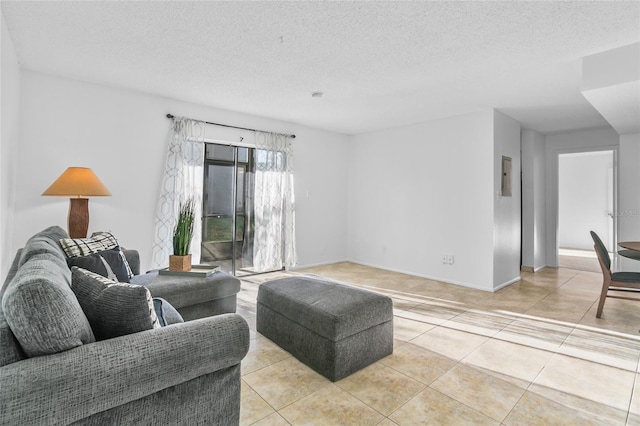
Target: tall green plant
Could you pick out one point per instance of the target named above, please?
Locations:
(183, 232)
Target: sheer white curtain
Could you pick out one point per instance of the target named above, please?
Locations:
(183, 178)
(274, 243)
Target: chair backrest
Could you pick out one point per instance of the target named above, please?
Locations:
(601, 251)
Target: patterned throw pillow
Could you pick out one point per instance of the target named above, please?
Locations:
(97, 243)
(107, 263)
(113, 309)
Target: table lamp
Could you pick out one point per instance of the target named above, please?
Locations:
(78, 183)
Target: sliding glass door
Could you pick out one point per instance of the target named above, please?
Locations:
(228, 208)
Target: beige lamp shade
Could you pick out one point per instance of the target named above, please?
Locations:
(78, 182)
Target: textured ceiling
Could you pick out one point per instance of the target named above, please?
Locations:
(380, 64)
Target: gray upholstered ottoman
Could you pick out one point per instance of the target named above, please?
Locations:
(334, 329)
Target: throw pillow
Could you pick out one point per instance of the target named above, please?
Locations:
(165, 312)
(112, 308)
(107, 263)
(98, 242)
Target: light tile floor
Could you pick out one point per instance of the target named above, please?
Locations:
(531, 354)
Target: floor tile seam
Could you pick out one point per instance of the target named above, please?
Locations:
(266, 366)
(425, 322)
(263, 400)
(614, 333)
(603, 363)
(262, 418)
(635, 359)
(487, 372)
(513, 343)
(407, 297)
(425, 305)
(300, 398)
(633, 387)
(444, 324)
(376, 410)
(418, 380)
(405, 403)
(555, 352)
(578, 409)
(465, 404)
(635, 340)
(471, 332)
(581, 359)
(567, 336)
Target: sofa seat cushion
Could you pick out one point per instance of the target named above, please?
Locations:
(113, 309)
(41, 309)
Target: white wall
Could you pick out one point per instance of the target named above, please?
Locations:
(420, 191)
(585, 196)
(629, 200)
(602, 138)
(321, 174)
(122, 135)
(9, 136)
(533, 200)
(506, 210)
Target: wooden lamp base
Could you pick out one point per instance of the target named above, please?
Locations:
(78, 220)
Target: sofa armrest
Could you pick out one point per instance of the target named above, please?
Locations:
(133, 257)
(71, 385)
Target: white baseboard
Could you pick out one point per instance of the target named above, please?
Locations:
(315, 265)
(506, 284)
(400, 271)
(429, 277)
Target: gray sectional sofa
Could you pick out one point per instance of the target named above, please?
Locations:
(53, 371)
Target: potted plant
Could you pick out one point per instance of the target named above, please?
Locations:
(182, 235)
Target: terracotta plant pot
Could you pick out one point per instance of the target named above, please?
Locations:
(179, 263)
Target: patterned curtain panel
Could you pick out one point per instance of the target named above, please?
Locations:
(183, 178)
(274, 244)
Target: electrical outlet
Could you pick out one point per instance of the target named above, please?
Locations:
(447, 259)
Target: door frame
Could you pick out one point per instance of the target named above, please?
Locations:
(555, 202)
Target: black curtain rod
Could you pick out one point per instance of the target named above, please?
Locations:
(235, 127)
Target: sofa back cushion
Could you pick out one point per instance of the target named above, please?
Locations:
(44, 242)
(38, 303)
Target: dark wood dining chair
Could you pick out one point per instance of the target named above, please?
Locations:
(631, 254)
(616, 281)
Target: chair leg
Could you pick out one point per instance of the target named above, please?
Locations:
(603, 296)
